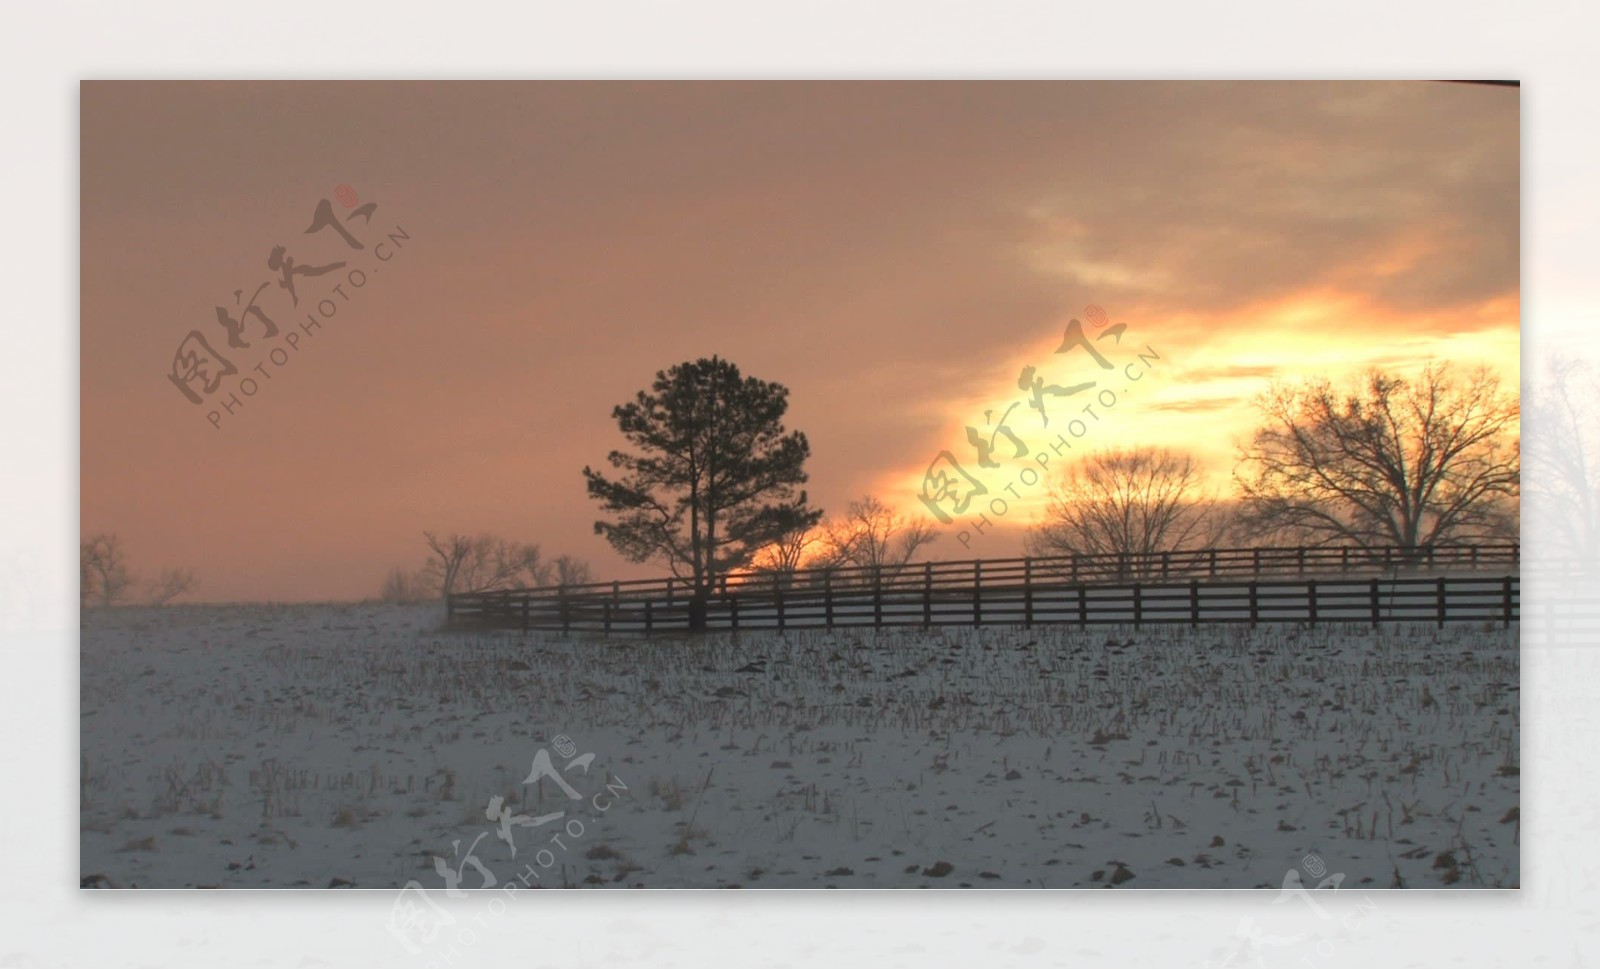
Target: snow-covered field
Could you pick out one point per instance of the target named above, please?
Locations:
(281, 746)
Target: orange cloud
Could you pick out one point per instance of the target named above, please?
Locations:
(1197, 396)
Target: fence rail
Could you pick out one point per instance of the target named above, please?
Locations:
(1330, 584)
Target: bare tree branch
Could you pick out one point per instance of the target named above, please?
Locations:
(403, 586)
(102, 570)
(172, 584)
(1564, 410)
(483, 563)
(871, 535)
(1130, 504)
(572, 571)
(447, 554)
(784, 556)
(1396, 462)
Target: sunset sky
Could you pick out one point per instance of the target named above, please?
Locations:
(894, 253)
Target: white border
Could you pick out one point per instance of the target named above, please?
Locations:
(46, 48)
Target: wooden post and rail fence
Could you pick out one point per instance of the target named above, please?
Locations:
(1307, 584)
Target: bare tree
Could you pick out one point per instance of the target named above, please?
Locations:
(874, 536)
(103, 570)
(1394, 462)
(1226, 526)
(497, 563)
(1128, 503)
(783, 557)
(474, 564)
(445, 557)
(172, 584)
(572, 571)
(1564, 412)
(403, 586)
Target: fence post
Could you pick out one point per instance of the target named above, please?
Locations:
(1505, 601)
(1374, 602)
(669, 590)
(1194, 603)
(1302, 555)
(1137, 605)
(1027, 592)
(927, 594)
(777, 594)
(1083, 606)
(1474, 557)
(1344, 559)
(1257, 566)
(1213, 562)
(877, 596)
(1255, 611)
(1074, 567)
(1311, 599)
(1166, 565)
(1516, 553)
(827, 598)
(1441, 602)
(733, 612)
(977, 592)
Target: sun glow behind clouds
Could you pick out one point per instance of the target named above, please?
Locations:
(1196, 396)
(893, 253)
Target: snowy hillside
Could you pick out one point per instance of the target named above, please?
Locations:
(283, 746)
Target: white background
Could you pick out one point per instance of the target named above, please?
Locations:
(45, 49)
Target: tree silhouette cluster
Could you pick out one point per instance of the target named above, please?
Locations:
(104, 578)
(1406, 463)
(482, 563)
(712, 481)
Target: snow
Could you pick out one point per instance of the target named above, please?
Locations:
(317, 745)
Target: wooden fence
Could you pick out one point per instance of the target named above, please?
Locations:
(1328, 584)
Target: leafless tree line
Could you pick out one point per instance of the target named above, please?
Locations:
(462, 563)
(1398, 462)
(105, 580)
(1391, 462)
(1130, 503)
(870, 541)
